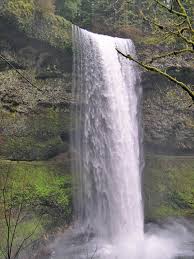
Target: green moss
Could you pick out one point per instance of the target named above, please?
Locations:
(36, 136)
(28, 148)
(46, 187)
(164, 211)
(40, 25)
(51, 122)
(59, 33)
(169, 186)
(23, 9)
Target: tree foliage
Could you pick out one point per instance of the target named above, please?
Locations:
(14, 210)
(33, 199)
(68, 8)
(46, 6)
(108, 13)
(171, 25)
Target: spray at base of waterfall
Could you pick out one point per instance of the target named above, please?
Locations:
(170, 240)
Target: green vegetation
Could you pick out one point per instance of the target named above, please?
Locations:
(46, 186)
(35, 137)
(169, 186)
(29, 148)
(68, 8)
(45, 6)
(36, 198)
(171, 24)
(38, 22)
(109, 15)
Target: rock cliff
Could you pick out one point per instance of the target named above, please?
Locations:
(35, 117)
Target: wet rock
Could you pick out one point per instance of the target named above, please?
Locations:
(168, 117)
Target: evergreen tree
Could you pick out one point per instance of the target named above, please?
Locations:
(68, 8)
(109, 13)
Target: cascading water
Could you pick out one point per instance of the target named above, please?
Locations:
(108, 202)
(107, 150)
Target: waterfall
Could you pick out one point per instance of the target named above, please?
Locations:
(108, 200)
(108, 164)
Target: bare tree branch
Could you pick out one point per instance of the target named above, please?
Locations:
(161, 72)
(24, 77)
(172, 53)
(181, 14)
(172, 25)
(13, 213)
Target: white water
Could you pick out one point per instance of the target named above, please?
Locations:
(109, 203)
(107, 145)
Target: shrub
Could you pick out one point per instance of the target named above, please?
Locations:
(46, 6)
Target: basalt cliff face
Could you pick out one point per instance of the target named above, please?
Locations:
(35, 110)
(168, 115)
(36, 118)
(169, 142)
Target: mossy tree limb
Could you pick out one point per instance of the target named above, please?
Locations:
(161, 72)
(169, 21)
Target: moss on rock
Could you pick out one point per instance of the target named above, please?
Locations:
(36, 136)
(44, 26)
(34, 118)
(28, 148)
(169, 186)
(168, 117)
